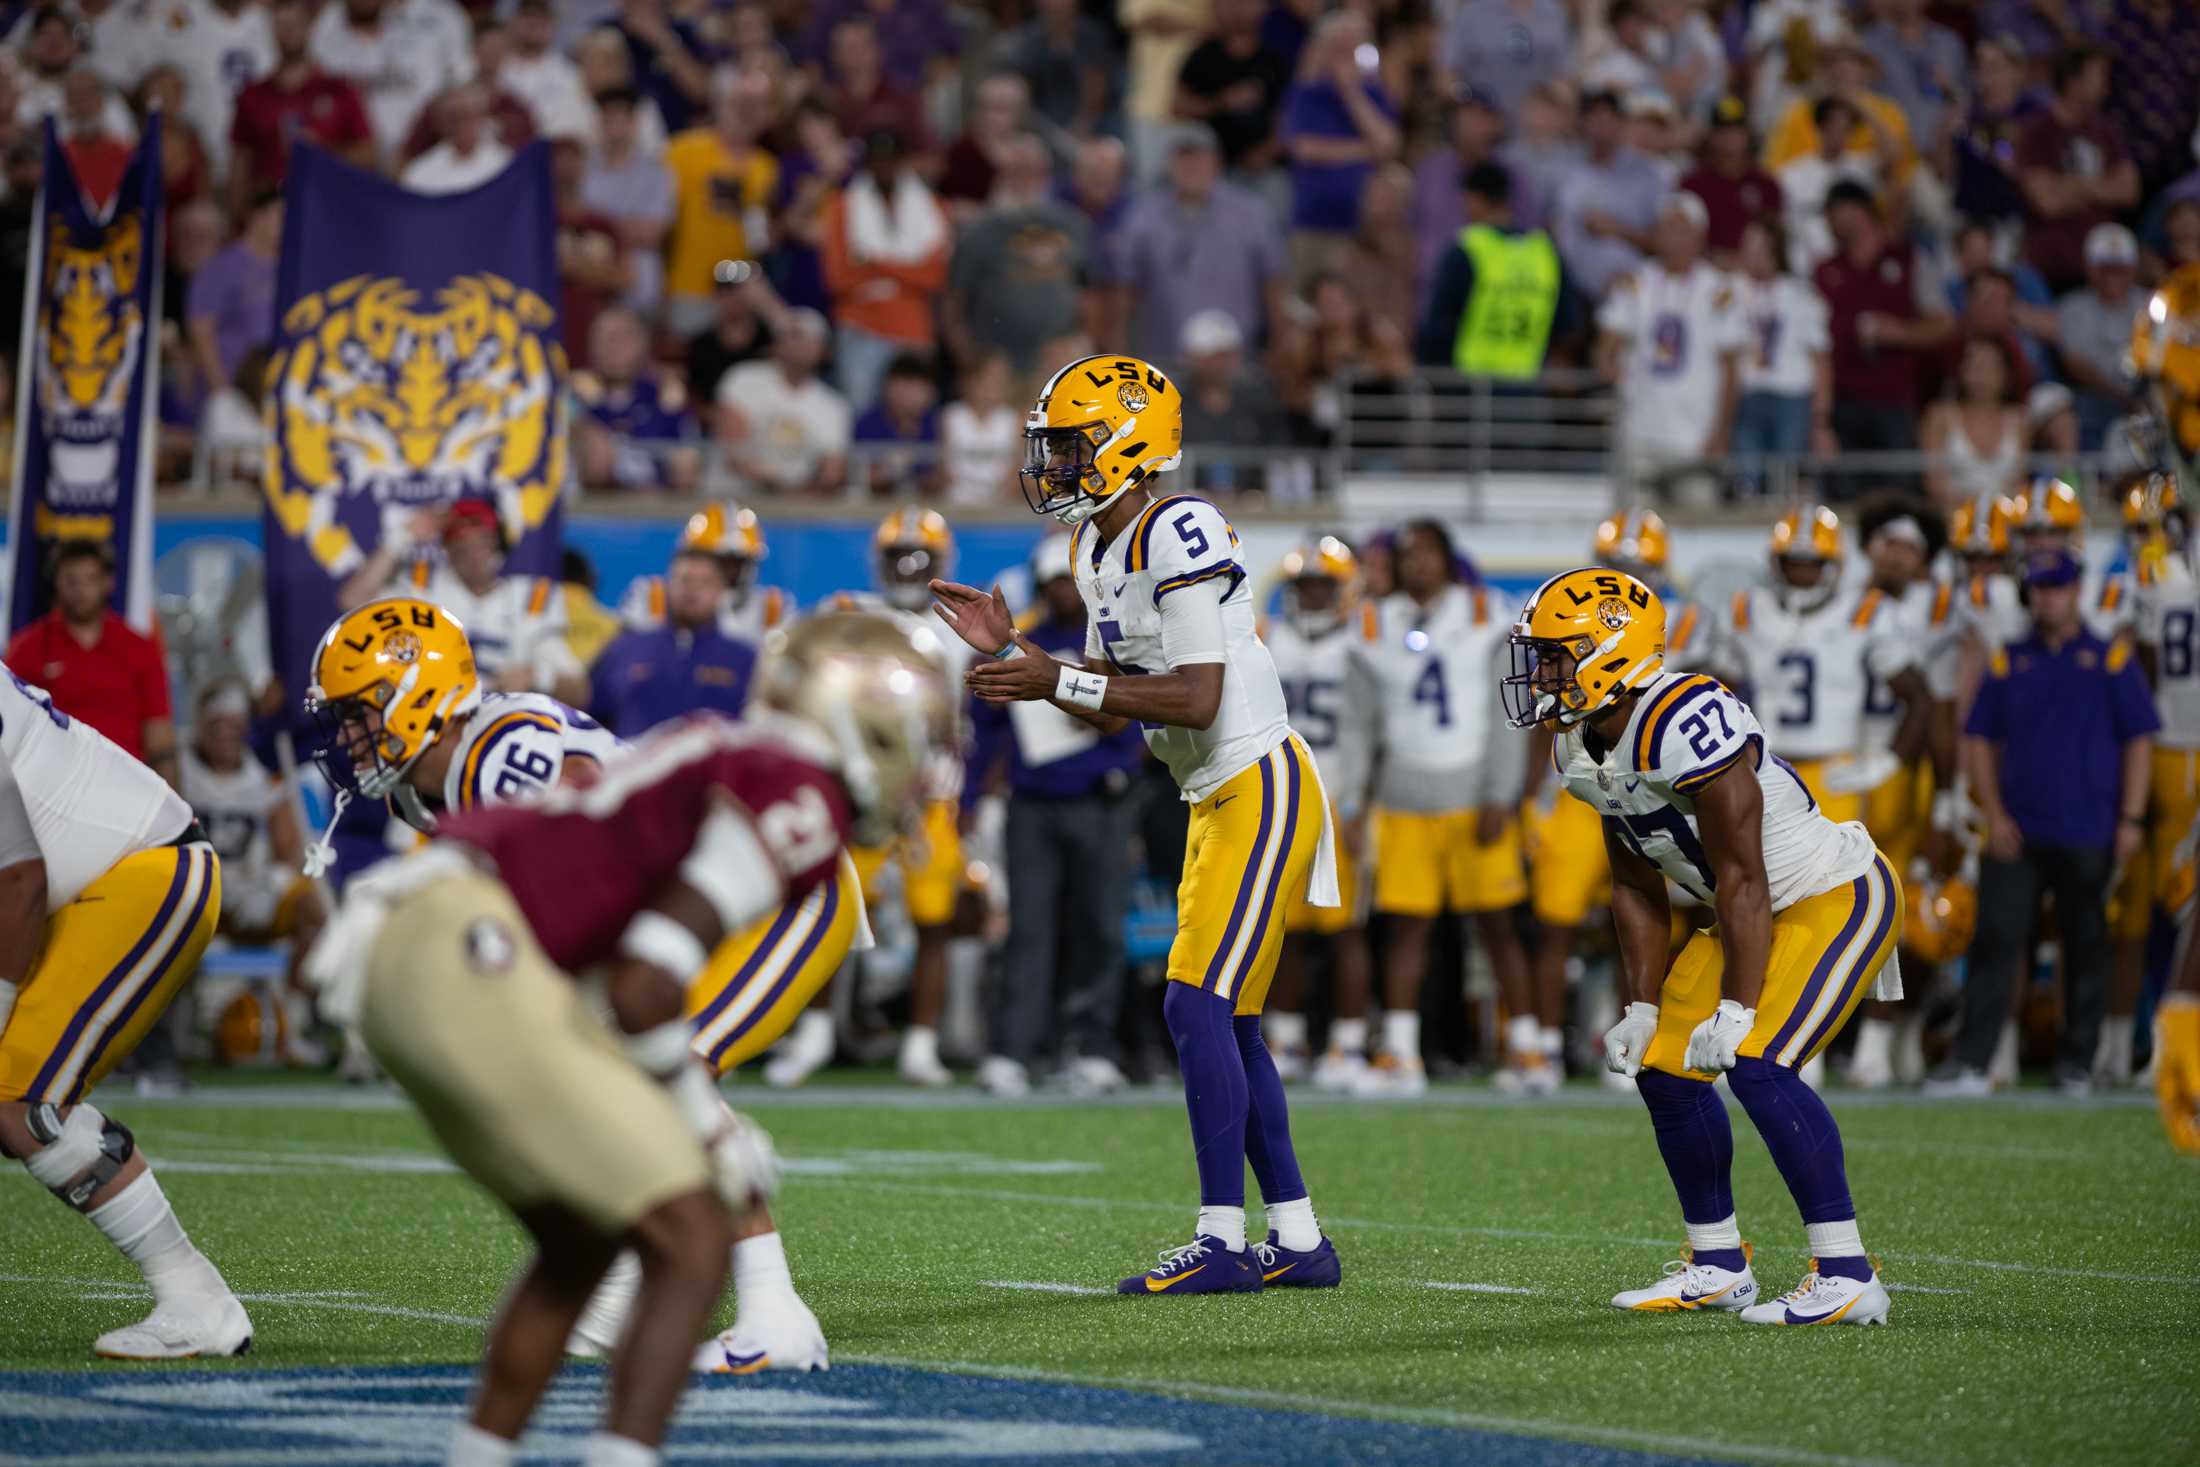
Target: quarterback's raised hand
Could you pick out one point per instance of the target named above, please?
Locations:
(1626, 1042)
(1711, 1045)
(980, 618)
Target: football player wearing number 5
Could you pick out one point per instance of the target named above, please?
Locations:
(1171, 645)
(1448, 781)
(1808, 911)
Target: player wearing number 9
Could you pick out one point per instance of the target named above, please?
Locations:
(1807, 911)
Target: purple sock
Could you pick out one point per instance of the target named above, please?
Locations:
(1214, 1090)
(1698, 1147)
(1805, 1144)
(1268, 1119)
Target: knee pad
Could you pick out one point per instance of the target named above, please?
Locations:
(80, 1154)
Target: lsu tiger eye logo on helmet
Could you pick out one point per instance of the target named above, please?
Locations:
(1613, 613)
(402, 647)
(1133, 397)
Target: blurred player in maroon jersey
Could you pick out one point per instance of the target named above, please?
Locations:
(456, 963)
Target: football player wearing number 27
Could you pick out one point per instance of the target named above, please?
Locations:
(1172, 645)
(1808, 912)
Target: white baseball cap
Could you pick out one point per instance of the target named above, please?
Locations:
(2111, 244)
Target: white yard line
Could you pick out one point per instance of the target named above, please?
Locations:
(1921, 1289)
(341, 1301)
(1034, 1286)
(1478, 1288)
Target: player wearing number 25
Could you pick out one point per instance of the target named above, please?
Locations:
(1807, 912)
(1170, 644)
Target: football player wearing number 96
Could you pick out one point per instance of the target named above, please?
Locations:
(1171, 644)
(1808, 912)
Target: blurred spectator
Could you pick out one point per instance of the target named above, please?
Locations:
(2003, 104)
(1501, 298)
(470, 154)
(2155, 47)
(1196, 242)
(740, 333)
(92, 664)
(2035, 29)
(1806, 181)
(1622, 63)
(1338, 124)
(1506, 48)
(1922, 66)
(1001, 110)
(2074, 169)
(1378, 261)
(1097, 189)
(20, 222)
(108, 35)
(1439, 211)
(1881, 130)
(399, 53)
(1988, 307)
(510, 120)
(723, 184)
(99, 155)
(2065, 801)
(186, 175)
(2181, 234)
(297, 99)
(1541, 152)
(1021, 269)
(812, 171)
(219, 47)
(606, 67)
(1977, 248)
(668, 59)
(1734, 190)
(863, 95)
(1162, 34)
(544, 80)
(232, 434)
(1886, 314)
(232, 307)
(195, 235)
(651, 675)
(633, 190)
(2093, 331)
(594, 268)
(1692, 65)
(916, 36)
(1606, 204)
(785, 430)
(636, 430)
(1671, 342)
(1976, 437)
(51, 51)
(1068, 63)
(1228, 404)
(983, 435)
(899, 435)
(885, 245)
(1654, 130)
(1786, 407)
(1234, 82)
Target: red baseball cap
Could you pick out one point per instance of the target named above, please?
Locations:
(469, 514)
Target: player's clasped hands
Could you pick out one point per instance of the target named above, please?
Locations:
(982, 619)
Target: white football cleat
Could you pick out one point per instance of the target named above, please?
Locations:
(1339, 1069)
(805, 1051)
(998, 1075)
(1292, 1064)
(1689, 1285)
(1528, 1079)
(1392, 1078)
(781, 1335)
(923, 1071)
(189, 1327)
(1091, 1075)
(1824, 1299)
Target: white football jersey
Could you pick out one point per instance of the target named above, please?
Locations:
(518, 622)
(2167, 618)
(1812, 671)
(743, 617)
(2111, 602)
(234, 806)
(1991, 606)
(513, 747)
(1128, 584)
(1685, 729)
(1433, 668)
(71, 798)
(1925, 616)
(1679, 331)
(1331, 704)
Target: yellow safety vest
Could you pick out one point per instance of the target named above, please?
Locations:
(1506, 327)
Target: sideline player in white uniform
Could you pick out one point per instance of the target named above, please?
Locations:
(1808, 910)
(735, 538)
(1171, 644)
(1332, 706)
(240, 804)
(1672, 340)
(109, 892)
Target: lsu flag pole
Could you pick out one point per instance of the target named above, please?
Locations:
(416, 362)
(87, 390)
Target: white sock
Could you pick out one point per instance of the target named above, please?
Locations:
(812, 1031)
(760, 1268)
(1835, 1239)
(603, 1319)
(920, 1047)
(1874, 1043)
(473, 1447)
(1226, 1223)
(1294, 1226)
(606, 1450)
(1551, 1042)
(1725, 1233)
(143, 1228)
(2112, 1056)
(1523, 1038)
(1285, 1031)
(1402, 1034)
(1348, 1036)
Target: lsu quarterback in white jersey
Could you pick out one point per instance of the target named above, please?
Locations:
(733, 537)
(111, 892)
(1689, 791)
(1171, 645)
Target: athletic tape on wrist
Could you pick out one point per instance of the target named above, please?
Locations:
(656, 938)
(1085, 689)
(663, 1049)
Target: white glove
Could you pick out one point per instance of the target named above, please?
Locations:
(743, 1162)
(1626, 1042)
(1712, 1043)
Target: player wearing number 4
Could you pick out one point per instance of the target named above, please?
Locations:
(1171, 645)
(1807, 916)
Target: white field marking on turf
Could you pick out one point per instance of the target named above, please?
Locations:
(1920, 1289)
(1479, 1288)
(342, 1301)
(1036, 1287)
(1990, 1151)
(1693, 1447)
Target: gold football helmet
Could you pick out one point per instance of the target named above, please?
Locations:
(1635, 541)
(1320, 580)
(2048, 512)
(730, 535)
(387, 679)
(1940, 914)
(1101, 425)
(2165, 354)
(1806, 557)
(1979, 528)
(1584, 639)
(915, 547)
(878, 692)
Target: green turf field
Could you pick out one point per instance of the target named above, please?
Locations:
(2048, 1258)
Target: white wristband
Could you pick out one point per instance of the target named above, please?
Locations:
(1085, 689)
(656, 938)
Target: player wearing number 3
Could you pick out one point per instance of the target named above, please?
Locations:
(1808, 912)
(1172, 645)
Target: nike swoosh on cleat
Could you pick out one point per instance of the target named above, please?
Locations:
(1156, 1286)
(1794, 1318)
(747, 1364)
(1279, 1273)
